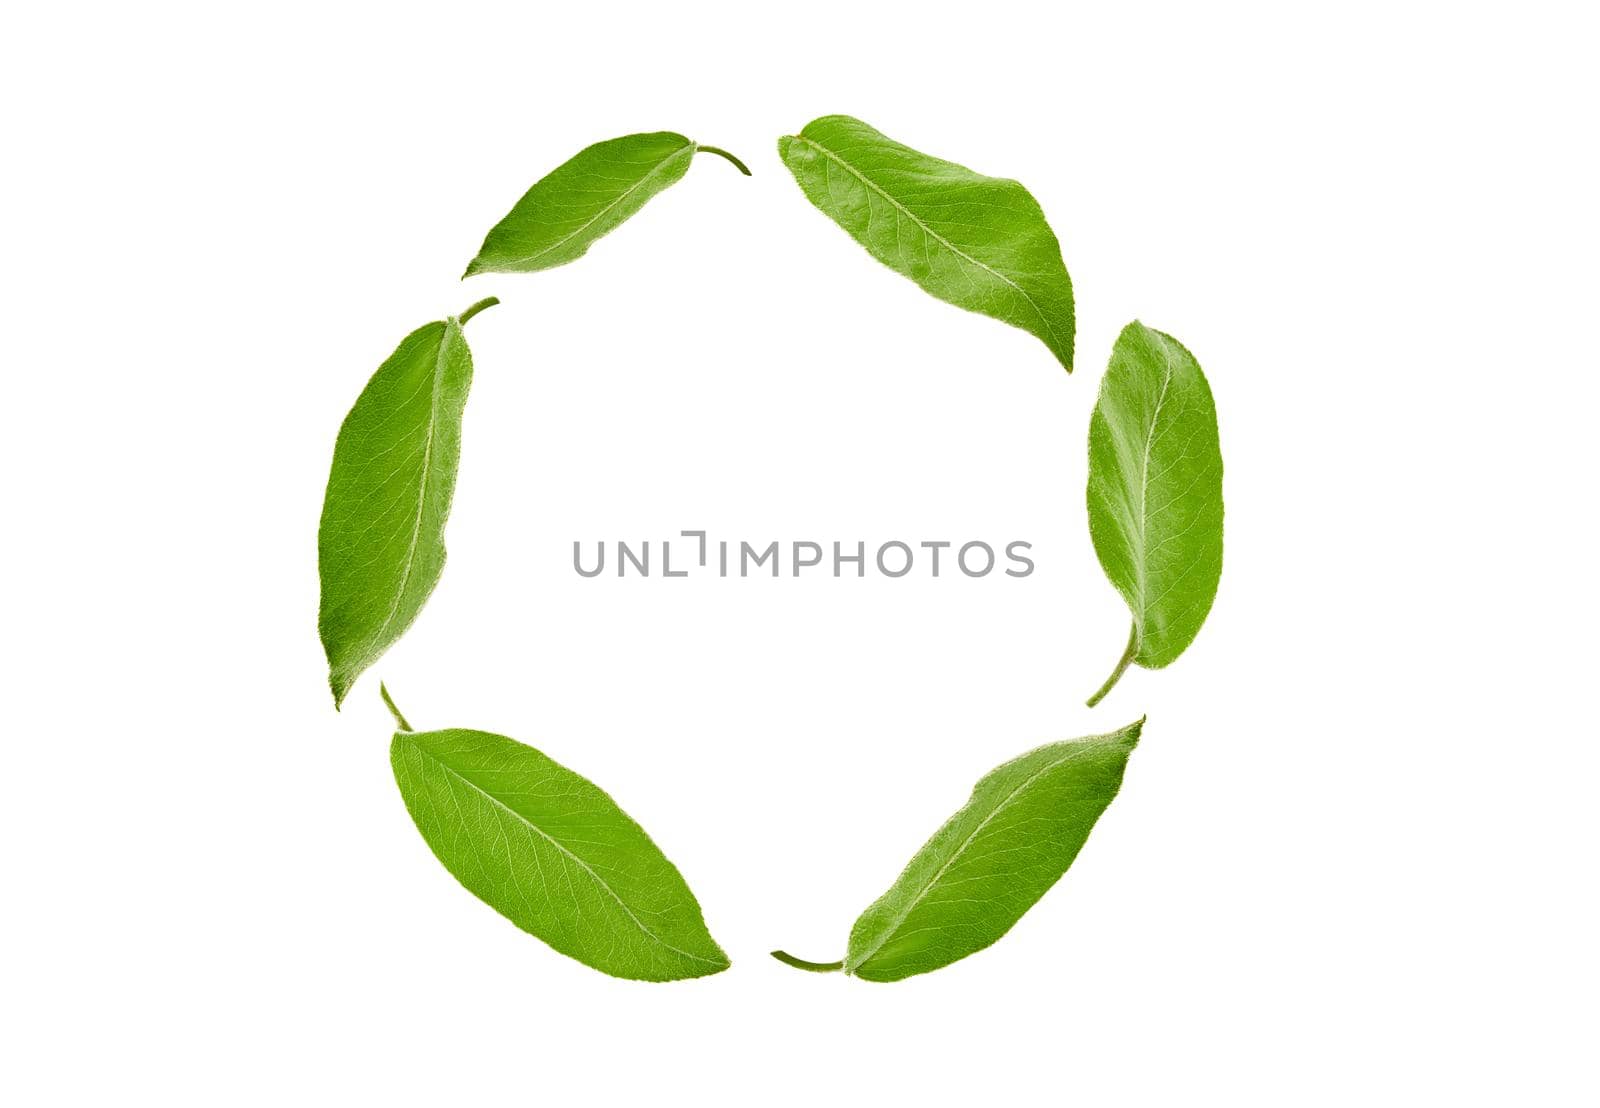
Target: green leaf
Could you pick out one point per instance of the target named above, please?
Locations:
(1155, 494)
(552, 853)
(380, 546)
(990, 862)
(562, 215)
(977, 242)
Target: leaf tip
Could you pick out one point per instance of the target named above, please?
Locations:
(1062, 351)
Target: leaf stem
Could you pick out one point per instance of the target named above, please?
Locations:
(720, 152)
(486, 302)
(801, 963)
(1122, 666)
(400, 720)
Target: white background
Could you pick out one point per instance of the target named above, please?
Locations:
(1354, 859)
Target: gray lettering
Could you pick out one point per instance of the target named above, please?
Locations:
(799, 564)
(746, 550)
(701, 535)
(624, 555)
(961, 558)
(859, 558)
(577, 563)
(1015, 557)
(936, 547)
(905, 569)
(666, 562)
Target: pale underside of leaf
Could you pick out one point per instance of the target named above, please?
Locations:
(995, 209)
(573, 189)
(928, 230)
(994, 885)
(409, 561)
(579, 863)
(1155, 492)
(583, 888)
(381, 540)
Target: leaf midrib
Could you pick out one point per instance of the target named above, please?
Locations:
(593, 876)
(931, 233)
(1144, 487)
(629, 191)
(422, 485)
(900, 918)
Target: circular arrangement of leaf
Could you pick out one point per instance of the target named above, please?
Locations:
(551, 851)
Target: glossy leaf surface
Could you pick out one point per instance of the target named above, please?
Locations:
(586, 197)
(380, 545)
(1155, 493)
(992, 860)
(981, 243)
(552, 853)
